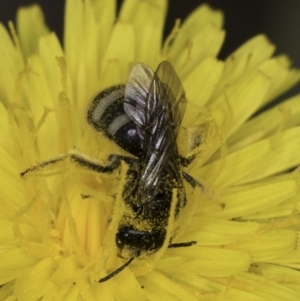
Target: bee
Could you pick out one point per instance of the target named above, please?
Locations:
(143, 118)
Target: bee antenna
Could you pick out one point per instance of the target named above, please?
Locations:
(117, 271)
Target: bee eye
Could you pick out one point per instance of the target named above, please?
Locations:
(127, 138)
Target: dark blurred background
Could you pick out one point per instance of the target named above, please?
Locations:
(280, 20)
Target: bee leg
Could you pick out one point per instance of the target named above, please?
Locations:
(182, 244)
(186, 161)
(192, 181)
(78, 159)
(113, 163)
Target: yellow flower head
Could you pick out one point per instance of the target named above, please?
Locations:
(58, 223)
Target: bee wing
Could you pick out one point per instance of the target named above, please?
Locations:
(160, 139)
(136, 93)
(174, 90)
(140, 80)
(156, 103)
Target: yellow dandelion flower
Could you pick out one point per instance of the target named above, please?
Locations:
(58, 224)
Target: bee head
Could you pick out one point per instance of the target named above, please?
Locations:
(133, 242)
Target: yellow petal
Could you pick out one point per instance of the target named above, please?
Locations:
(266, 289)
(201, 83)
(235, 106)
(283, 209)
(237, 165)
(201, 18)
(215, 232)
(13, 262)
(160, 287)
(148, 19)
(214, 289)
(30, 27)
(244, 61)
(283, 155)
(121, 49)
(206, 43)
(205, 261)
(244, 98)
(242, 201)
(11, 62)
(284, 115)
(279, 75)
(39, 275)
(267, 247)
(49, 50)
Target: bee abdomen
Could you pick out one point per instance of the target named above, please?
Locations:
(107, 115)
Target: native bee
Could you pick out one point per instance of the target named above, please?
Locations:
(143, 118)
